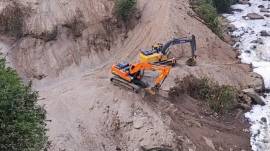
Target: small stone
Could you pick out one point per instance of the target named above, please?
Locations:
(231, 28)
(138, 123)
(260, 6)
(247, 51)
(209, 143)
(253, 47)
(266, 15)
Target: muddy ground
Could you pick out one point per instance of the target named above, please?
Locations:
(86, 112)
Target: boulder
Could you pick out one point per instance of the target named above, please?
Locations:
(209, 143)
(236, 10)
(231, 28)
(254, 96)
(261, 6)
(254, 16)
(258, 41)
(257, 82)
(263, 119)
(265, 33)
(264, 10)
(266, 15)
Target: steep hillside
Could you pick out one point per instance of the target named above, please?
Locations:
(67, 48)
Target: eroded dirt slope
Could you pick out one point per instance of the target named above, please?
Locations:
(86, 112)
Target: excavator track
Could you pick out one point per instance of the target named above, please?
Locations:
(122, 83)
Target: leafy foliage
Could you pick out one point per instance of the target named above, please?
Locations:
(124, 8)
(22, 125)
(219, 98)
(208, 13)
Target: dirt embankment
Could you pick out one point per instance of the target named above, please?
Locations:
(70, 46)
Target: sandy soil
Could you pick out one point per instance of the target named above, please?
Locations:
(86, 112)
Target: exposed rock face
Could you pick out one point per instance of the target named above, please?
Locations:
(58, 34)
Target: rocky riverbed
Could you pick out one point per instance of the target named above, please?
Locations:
(251, 31)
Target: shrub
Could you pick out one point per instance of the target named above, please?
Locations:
(124, 8)
(22, 125)
(219, 98)
(208, 13)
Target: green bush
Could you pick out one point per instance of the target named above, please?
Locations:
(124, 8)
(209, 14)
(219, 98)
(22, 125)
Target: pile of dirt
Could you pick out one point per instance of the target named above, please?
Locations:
(69, 46)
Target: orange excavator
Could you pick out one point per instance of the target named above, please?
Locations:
(131, 76)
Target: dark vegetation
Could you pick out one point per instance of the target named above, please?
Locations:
(125, 8)
(12, 19)
(220, 98)
(208, 10)
(22, 121)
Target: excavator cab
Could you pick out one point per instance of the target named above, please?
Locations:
(152, 56)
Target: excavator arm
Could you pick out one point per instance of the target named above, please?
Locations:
(177, 41)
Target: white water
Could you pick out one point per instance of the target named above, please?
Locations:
(259, 56)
